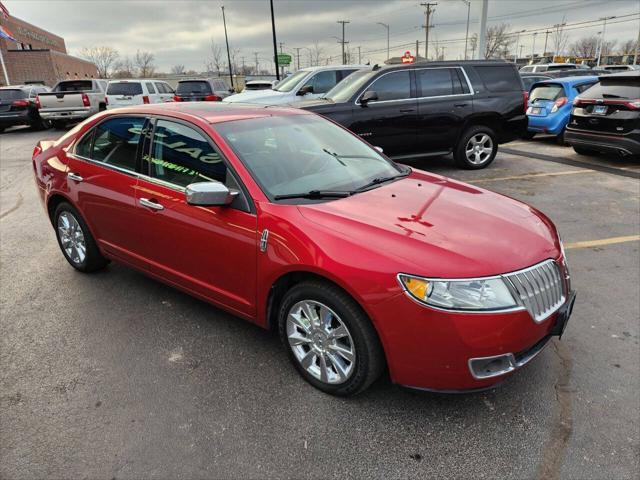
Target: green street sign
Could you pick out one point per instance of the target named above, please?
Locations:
(284, 59)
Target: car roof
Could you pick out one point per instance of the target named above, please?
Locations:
(625, 74)
(332, 67)
(443, 63)
(572, 80)
(212, 112)
(136, 80)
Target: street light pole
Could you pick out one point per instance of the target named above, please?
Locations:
(482, 41)
(466, 37)
(275, 44)
(226, 39)
(387, 27)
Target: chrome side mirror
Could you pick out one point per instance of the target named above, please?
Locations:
(378, 149)
(368, 96)
(209, 194)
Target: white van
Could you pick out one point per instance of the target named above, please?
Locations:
(305, 84)
(123, 93)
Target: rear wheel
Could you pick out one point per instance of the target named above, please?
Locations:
(329, 339)
(75, 240)
(476, 148)
(38, 123)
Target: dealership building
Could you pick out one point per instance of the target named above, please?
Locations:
(38, 56)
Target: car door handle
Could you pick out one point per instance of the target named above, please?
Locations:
(460, 104)
(75, 177)
(151, 204)
(407, 110)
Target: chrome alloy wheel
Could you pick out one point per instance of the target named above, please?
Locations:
(479, 148)
(72, 238)
(321, 342)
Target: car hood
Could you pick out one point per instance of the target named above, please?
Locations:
(439, 227)
(259, 96)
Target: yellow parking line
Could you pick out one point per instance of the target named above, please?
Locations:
(519, 177)
(604, 241)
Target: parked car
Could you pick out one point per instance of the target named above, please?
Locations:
(293, 223)
(549, 67)
(72, 100)
(606, 118)
(124, 93)
(528, 79)
(550, 103)
(202, 90)
(620, 68)
(18, 106)
(433, 108)
(305, 84)
(576, 73)
(252, 85)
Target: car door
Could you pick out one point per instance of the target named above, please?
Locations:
(102, 180)
(390, 121)
(208, 251)
(444, 102)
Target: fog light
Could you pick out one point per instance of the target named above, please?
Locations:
(488, 367)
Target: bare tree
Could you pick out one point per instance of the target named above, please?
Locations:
(498, 41)
(559, 39)
(104, 59)
(585, 47)
(628, 47)
(177, 69)
(144, 62)
(315, 53)
(608, 47)
(124, 69)
(215, 61)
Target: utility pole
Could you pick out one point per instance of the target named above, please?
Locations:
(546, 36)
(417, 49)
(466, 37)
(226, 39)
(275, 47)
(282, 67)
(359, 56)
(297, 49)
(426, 26)
(342, 42)
(256, 55)
(385, 25)
(635, 57)
(604, 29)
(557, 26)
(533, 46)
(515, 53)
(482, 40)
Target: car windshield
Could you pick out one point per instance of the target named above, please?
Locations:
(10, 95)
(295, 154)
(196, 86)
(124, 88)
(549, 91)
(289, 83)
(344, 90)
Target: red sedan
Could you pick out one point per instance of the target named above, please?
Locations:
(291, 222)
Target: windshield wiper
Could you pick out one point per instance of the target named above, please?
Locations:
(379, 180)
(314, 194)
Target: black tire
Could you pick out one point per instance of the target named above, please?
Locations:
(102, 107)
(369, 355)
(459, 153)
(2, 129)
(58, 125)
(37, 123)
(93, 259)
(560, 139)
(583, 150)
(528, 135)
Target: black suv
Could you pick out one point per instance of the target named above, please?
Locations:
(18, 106)
(606, 117)
(431, 108)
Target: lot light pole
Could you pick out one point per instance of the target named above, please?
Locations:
(466, 37)
(226, 39)
(385, 25)
(482, 40)
(275, 45)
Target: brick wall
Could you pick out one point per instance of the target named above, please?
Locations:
(28, 34)
(45, 65)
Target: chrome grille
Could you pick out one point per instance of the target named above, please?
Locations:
(539, 289)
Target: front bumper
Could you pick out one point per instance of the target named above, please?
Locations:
(552, 123)
(434, 350)
(628, 144)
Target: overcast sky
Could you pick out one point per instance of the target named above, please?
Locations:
(179, 31)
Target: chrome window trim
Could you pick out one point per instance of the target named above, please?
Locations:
(376, 102)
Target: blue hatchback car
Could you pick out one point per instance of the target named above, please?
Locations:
(550, 102)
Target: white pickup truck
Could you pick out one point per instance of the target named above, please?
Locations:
(72, 100)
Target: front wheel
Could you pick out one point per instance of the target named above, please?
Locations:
(329, 339)
(476, 148)
(75, 240)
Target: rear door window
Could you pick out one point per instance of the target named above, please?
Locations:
(150, 88)
(193, 86)
(124, 88)
(116, 142)
(499, 78)
(435, 82)
(392, 86)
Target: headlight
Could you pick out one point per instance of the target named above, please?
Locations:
(477, 294)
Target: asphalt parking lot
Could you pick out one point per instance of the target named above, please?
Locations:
(114, 375)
